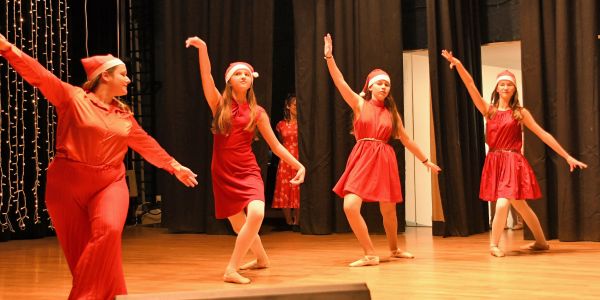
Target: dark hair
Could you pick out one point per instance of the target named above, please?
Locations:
(291, 97)
(513, 104)
(92, 84)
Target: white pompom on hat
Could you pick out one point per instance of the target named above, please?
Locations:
(95, 65)
(235, 66)
(374, 76)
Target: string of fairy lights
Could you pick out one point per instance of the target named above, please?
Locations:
(27, 120)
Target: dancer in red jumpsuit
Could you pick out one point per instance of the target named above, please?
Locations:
(237, 183)
(86, 193)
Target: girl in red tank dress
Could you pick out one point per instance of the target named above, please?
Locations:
(287, 195)
(507, 177)
(237, 183)
(372, 171)
(86, 192)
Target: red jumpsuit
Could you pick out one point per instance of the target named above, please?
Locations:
(86, 193)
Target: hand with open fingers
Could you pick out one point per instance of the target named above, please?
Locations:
(299, 178)
(186, 176)
(574, 164)
(195, 41)
(4, 44)
(450, 58)
(433, 167)
(328, 46)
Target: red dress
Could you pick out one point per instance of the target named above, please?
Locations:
(506, 173)
(372, 170)
(287, 195)
(235, 174)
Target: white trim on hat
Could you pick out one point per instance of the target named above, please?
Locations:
(105, 66)
(238, 67)
(505, 77)
(377, 78)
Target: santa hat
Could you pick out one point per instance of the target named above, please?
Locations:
(239, 65)
(506, 75)
(373, 77)
(95, 65)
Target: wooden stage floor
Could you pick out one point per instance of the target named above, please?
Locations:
(444, 268)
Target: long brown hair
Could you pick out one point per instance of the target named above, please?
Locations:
(388, 103)
(92, 84)
(222, 121)
(513, 104)
(287, 116)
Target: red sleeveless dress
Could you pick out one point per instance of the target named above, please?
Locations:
(506, 173)
(287, 195)
(372, 170)
(236, 178)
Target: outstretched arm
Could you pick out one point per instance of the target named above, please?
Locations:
(478, 100)
(414, 148)
(549, 140)
(208, 83)
(354, 100)
(55, 90)
(264, 126)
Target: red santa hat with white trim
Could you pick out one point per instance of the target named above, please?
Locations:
(374, 76)
(97, 64)
(239, 65)
(506, 75)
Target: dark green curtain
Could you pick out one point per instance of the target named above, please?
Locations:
(233, 31)
(459, 136)
(560, 86)
(366, 35)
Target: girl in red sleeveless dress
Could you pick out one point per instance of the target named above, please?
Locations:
(287, 195)
(237, 183)
(372, 171)
(507, 177)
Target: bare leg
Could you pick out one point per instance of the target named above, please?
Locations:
(352, 204)
(247, 238)
(502, 206)
(390, 223)
(296, 216)
(534, 224)
(287, 212)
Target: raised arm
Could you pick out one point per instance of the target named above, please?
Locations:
(211, 92)
(354, 100)
(264, 127)
(549, 140)
(55, 90)
(478, 100)
(414, 148)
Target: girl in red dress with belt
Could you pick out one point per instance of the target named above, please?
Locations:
(86, 193)
(237, 183)
(371, 173)
(287, 195)
(507, 177)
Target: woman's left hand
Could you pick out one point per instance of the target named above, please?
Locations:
(433, 167)
(299, 178)
(573, 164)
(186, 176)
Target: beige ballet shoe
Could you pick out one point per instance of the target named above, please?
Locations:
(401, 254)
(536, 247)
(254, 265)
(495, 251)
(235, 277)
(368, 260)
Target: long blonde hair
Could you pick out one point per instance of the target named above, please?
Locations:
(92, 84)
(222, 121)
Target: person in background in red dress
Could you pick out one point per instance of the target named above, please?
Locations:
(287, 195)
(86, 192)
(371, 172)
(507, 177)
(237, 183)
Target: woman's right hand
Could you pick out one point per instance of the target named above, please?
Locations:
(196, 42)
(450, 58)
(299, 178)
(328, 47)
(4, 44)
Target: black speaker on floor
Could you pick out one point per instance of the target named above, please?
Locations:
(347, 291)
